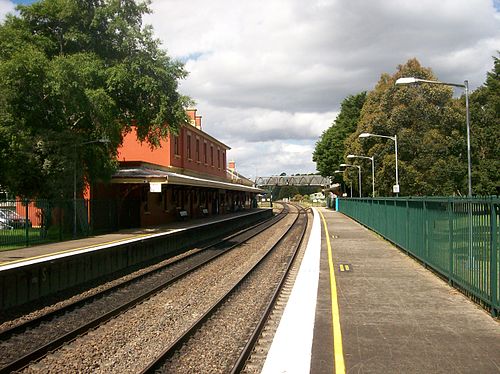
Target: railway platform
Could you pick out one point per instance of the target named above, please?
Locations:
(376, 310)
(33, 273)
(74, 246)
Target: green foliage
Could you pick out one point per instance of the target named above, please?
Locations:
(329, 151)
(288, 192)
(485, 134)
(74, 72)
(430, 127)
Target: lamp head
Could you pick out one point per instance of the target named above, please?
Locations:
(351, 156)
(344, 165)
(407, 80)
(364, 135)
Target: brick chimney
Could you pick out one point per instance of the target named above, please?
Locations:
(191, 113)
(197, 120)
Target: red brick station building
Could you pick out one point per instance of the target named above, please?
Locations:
(186, 177)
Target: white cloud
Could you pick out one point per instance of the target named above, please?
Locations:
(269, 75)
(6, 6)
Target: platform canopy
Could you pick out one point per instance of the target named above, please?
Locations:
(293, 180)
(146, 175)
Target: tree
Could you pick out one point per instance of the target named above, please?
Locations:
(430, 126)
(287, 192)
(329, 151)
(485, 132)
(74, 72)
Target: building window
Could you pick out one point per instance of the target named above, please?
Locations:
(176, 145)
(212, 154)
(189, 147)
(205, 153)
(218, 158)
(223, 160)
(198, 150)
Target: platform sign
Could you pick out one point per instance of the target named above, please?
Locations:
(395, 188)
(154, 187)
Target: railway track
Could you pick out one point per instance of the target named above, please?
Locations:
(190, 349)
(31, 340)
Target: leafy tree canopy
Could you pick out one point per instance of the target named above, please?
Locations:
(485, 132)
(329, 151)
(74, 72)
(430, 127)
(288, 192)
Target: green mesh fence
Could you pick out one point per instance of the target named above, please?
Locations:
(457, 237)
(29, 222)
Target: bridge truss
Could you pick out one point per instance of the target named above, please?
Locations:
(293, 180)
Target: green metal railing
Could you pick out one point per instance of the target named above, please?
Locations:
(28, 222)
(457, 237)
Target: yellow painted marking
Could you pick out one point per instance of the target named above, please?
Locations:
(72, 250)
(338, 351)
(341, 267)
(346, 267)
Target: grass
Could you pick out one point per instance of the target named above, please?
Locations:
(16, 238)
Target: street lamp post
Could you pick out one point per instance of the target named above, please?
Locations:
(373, 169)
(465, 86)
(359, 174)
(395, 188)
(341, 171)
(102, 140)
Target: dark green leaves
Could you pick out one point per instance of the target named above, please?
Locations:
(75, 71)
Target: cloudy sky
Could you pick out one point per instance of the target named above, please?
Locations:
(268, 76)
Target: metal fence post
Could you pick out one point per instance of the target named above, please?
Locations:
(426, 233)
(26, 226)
(450, 242)
(407, 232)
(494, 261)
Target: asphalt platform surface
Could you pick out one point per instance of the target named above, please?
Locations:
(17, 255)
(395, 315)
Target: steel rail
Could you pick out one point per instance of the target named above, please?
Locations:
(247, 350)
(39, 352)
(21, 327)
(190, 331)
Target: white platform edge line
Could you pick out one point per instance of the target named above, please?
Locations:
(72, 252)
(76, 251)
(291, 349)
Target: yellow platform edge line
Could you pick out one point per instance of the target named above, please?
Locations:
(338, 350)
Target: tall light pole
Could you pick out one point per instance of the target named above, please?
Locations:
(395, 188)
(102, 140)
(359, 174)
(373, 169)
(465, 86)
(342, 171)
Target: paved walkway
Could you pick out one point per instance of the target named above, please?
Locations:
(17, 255)
(394, 316)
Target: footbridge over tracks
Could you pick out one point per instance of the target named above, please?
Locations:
(293, 180)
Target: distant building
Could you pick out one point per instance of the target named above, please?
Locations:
(187, 174)
(317, 196)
